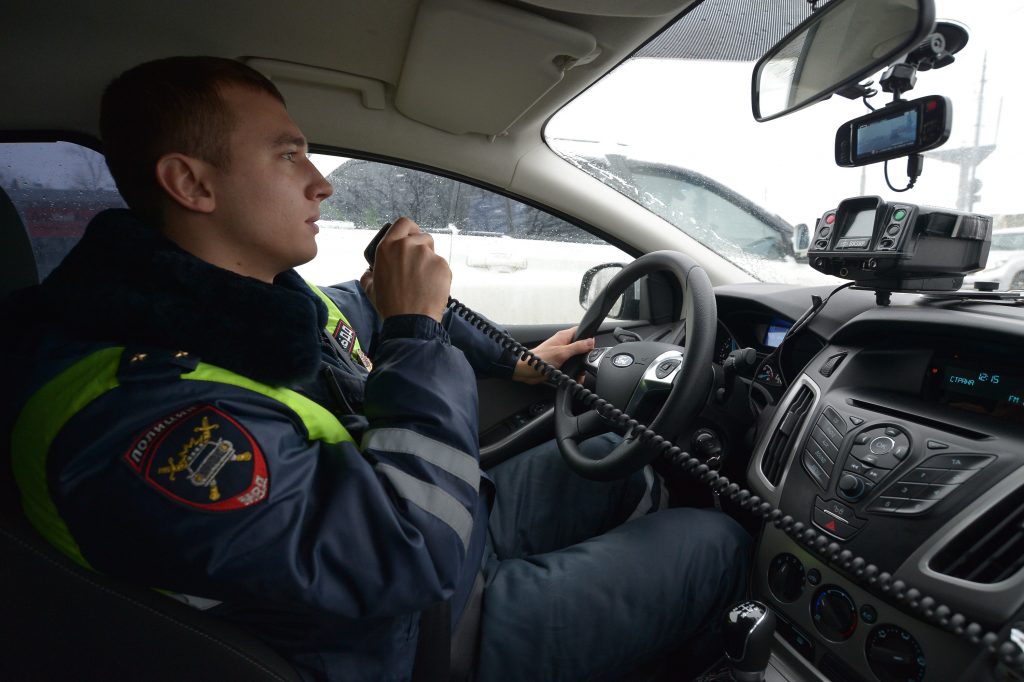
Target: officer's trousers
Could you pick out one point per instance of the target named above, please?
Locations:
(587, 580)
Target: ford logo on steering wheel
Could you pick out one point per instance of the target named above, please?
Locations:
(622, 360)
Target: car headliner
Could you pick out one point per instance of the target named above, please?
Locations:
(363, 76)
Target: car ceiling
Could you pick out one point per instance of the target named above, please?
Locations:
(465, 68)
(485, 79)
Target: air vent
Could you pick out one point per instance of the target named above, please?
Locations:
(774, 461)
(989, 550)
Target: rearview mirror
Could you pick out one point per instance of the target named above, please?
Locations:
(836, 46)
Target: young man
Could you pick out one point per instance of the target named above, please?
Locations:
(187, 396)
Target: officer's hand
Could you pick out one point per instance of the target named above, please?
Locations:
(555, 351)
(408, 277)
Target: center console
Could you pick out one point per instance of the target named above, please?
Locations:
(907, 451)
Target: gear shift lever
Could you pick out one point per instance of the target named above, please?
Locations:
(748, 633)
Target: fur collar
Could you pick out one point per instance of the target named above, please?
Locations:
(125, 283)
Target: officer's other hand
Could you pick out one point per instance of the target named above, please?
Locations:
(408, 277)
(555, 351)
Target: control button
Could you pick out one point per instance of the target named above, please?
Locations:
(959, 462)
(899, 452)
(830, 218)
(825, 231)
(955, 476)
(887, 504)
(593, 355)
(835, 419)
(923, 475)
(915, 506)
(862, 438)
(815, 470)
(906, 491)
(835, 527)
(824, 443)
(834, 435)
(900, 214)
(868, 614)
(823, 460)
(934, 492)
(821, 244)
(875, 475)
(881, 445)
(893, 230)
(814, 576)
(882, 461)
(936, 445)
(892, 431)
(851, 486)
(856, 421)
(856, 466)
(665, 368)
(837, 508)
(800, 640)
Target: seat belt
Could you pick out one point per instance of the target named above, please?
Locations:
(466, 638)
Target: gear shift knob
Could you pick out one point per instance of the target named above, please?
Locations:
(748, 633)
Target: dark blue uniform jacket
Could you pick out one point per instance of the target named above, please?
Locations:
(176, 480)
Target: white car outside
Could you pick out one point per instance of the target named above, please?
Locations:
(1005, 261)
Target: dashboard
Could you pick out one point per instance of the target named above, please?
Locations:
(900, 438)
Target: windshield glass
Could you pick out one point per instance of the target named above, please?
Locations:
(672, 129)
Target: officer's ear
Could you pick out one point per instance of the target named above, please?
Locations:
(188, 181)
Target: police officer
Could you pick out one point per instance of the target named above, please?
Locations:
(193, 416)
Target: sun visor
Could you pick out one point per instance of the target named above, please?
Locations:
(476, 67)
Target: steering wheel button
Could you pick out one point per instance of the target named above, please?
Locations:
(665, 368)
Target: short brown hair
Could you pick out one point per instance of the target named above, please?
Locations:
(169, 105)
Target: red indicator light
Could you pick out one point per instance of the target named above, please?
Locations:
(831, 525)
(830, 218)
(935, 370)
(931, 106)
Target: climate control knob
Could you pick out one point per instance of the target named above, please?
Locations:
(851, 487)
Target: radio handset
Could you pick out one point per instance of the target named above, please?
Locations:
(881, 583)
(370, 252)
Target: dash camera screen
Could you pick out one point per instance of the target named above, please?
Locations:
(887, 134)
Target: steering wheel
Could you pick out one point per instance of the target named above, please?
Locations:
(631, 374)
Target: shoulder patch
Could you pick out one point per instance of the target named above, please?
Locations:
(203, 458)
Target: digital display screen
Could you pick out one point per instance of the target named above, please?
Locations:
(776, 331)
(861, 224)
(986, 388)
(887, 134)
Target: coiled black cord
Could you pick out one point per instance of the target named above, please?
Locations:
(906, 597)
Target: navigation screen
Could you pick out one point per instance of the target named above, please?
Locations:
(887, 134)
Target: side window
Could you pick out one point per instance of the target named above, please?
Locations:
(57, 187)
(510, 261)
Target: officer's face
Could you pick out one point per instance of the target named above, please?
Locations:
(268, 196)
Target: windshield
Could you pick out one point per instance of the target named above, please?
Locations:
(672, 129)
